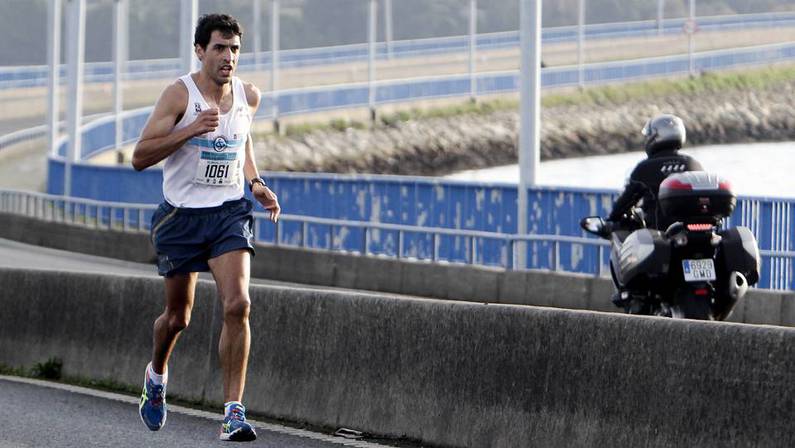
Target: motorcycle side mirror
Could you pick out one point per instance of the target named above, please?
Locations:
(593, 225)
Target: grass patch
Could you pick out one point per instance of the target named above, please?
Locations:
(337, 124)
(706, 83)
(12, 371)
(48, 370)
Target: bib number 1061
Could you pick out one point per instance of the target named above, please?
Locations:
(213, 171)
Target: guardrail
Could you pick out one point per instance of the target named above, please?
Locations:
(414, 242)
(23, 135)
(130, 217)
(31, 76)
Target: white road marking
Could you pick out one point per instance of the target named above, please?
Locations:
(195, 412)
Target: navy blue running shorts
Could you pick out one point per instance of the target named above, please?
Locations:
(185, 238)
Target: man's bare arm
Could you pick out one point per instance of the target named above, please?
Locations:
(158, 139)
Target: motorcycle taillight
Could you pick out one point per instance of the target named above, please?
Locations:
(699, 227)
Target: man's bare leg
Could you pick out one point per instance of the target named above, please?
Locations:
(180, 292)
(231, 271)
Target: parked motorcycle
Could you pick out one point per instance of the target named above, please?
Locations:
(695, 269)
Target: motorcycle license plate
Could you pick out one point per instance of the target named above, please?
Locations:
(698, 270)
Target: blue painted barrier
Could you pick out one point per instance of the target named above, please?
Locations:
(432, 202)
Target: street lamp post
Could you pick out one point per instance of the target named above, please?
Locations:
(275, 22)
(388, 27)
(473, 43)
(120, 45)
(74, 111)
(257, 12)
(189, 15)
(580, 44)
(54, 73)
(371, 30)
(691, 43)
(530, 124)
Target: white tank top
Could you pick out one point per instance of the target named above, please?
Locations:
(208, 169)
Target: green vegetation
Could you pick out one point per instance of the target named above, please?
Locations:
(52, 370)
(337, 124)
(758, 79)
(709, 82)
(12, 371)
(48, 370)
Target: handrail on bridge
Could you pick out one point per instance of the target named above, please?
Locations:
(132, 217)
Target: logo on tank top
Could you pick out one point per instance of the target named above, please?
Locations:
(219, 144)
(197, 107)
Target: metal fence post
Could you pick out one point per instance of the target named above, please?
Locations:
(120, 39)
(275, 18)
(556, 254)
(530, 125)
(74, 110)
(473, 43)
(581, 44)
(510, 261)
(691, 45)
(53, 80)
(371, 25)
(600, 255)
(257, 13)
(388, 27)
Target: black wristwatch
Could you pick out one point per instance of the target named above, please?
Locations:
(256, 180)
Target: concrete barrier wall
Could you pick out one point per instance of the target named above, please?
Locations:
(447, 373)
(441, 281)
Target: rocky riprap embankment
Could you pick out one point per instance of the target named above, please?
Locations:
(435, 146)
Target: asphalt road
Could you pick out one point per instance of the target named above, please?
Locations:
(41, 414)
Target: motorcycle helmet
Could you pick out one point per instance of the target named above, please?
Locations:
(663, 132)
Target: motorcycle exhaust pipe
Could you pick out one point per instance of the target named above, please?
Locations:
(738, 286)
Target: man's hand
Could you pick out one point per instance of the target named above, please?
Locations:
(206, 121)
(268, 199)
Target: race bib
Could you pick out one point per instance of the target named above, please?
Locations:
(217, 169)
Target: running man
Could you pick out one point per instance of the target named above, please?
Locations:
(200, 127)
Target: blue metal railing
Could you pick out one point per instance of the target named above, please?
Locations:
(416, 202)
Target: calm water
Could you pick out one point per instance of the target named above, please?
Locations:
(756, 169)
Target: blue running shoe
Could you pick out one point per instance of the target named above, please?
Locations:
(235, 427)
(153, 404)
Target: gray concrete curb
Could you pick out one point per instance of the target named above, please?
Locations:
(447, 373)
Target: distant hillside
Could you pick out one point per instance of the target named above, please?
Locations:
(307, 23)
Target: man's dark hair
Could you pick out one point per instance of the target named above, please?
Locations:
(208, 23)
